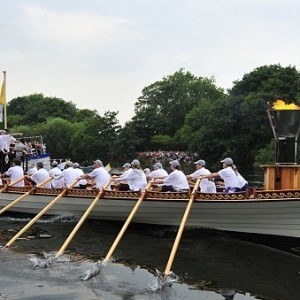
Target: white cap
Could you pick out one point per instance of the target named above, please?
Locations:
(76, 165)
(157, 166)
(54, 163)
(128, 165)
(228, 161)
(99, 162)
(146, 171)
(135, 163)
(69, 164)
(200, 162)
(174, 163)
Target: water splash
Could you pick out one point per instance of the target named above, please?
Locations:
(45, 262)
(228, 294)
(44, 220)
(161, 281)
(3, 248)
(95, 270)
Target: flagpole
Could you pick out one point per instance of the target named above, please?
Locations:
(4, 104)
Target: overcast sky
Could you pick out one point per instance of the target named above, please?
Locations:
(101, 54)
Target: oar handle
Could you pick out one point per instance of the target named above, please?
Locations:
(181, 228)
(82, 219)
(16, 181)
(73, 183)
(44, 182)
(44, 210)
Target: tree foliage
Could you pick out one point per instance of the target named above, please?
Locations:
(36, 108)
(163, 106)
(178, 112)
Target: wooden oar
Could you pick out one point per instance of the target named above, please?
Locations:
(11, 184)
(47, 207)
(129, 218)
(180, 230)
(23, 196)
(97, 267)
(84, 216)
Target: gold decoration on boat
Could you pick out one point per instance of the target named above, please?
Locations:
(168, 195)
(277, 194)
(121, 194)
(19, 189)
(83, 193)
(221, 196)
(46, 191)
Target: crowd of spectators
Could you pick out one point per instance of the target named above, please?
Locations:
(167, 156)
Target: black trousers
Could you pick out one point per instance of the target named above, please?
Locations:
(124, 187)
(167, 188)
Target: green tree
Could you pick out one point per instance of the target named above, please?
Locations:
(250, 98)
(96, 139)
(36, 109)
(127, 143)
(57, 134)
(163, 106)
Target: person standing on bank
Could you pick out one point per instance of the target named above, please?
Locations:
(229, 175)
(206, 185)
(176, 181)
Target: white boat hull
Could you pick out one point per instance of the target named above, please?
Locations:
(259, 216)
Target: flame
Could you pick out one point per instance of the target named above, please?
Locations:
(281, 105)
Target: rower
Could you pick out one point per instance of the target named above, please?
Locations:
(136, 179)
(16, 172)
(40, 175)
(206, 185)
(82, 183)
(229, 175)
(99, 175)
(176, 181)
(158, 172)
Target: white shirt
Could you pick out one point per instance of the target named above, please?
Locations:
(15, 173)
(136, 180)
(39, 176)
(31, 171)
(81, 181)
(54, 172)
(5, 141)
(159, 173)
(69, 175)
(177, 180)
(56, 183)
(230, 177)
(125, 173)
(206, 185)
(242, 180)
(100, 176)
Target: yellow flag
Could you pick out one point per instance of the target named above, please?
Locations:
(108, 167)
(3, 93)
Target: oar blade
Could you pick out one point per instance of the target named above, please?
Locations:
(95, 270)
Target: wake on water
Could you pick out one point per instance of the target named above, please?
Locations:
(159, 281)
(46, 261)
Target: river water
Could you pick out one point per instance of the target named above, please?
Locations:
(209, 265)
